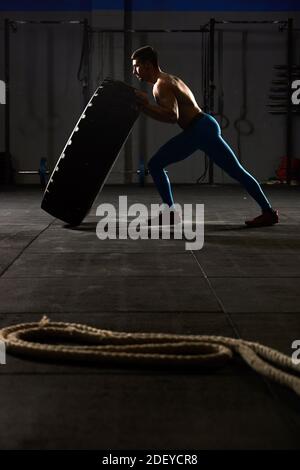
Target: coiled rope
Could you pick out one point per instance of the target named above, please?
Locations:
(83, 343)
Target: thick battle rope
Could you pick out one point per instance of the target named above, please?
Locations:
(82, 343)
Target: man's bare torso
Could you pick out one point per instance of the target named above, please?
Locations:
(187, 105)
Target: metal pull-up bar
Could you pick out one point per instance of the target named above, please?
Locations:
(132, 31)
(251, 22)
(46, 22)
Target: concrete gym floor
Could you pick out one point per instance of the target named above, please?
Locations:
(243, 283)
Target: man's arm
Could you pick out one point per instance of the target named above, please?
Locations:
(167, 108)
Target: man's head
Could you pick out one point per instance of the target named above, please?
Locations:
(145, 63)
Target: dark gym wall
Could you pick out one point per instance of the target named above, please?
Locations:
(46, 97)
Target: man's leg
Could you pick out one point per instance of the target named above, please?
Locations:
(220, 152)
(176, 149)
(225, 158)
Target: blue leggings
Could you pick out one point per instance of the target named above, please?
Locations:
(203, 134)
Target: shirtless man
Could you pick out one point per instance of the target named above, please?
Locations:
(200, 131)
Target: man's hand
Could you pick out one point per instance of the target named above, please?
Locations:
(141, 98)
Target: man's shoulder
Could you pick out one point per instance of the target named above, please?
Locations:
(164, 83)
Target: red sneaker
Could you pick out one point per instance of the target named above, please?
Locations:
(264, 220)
